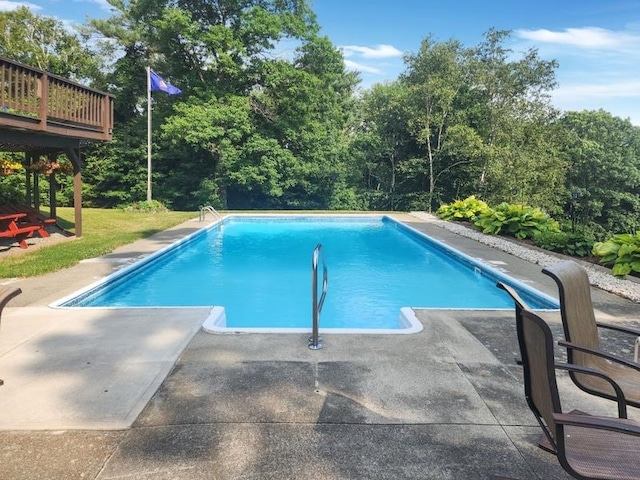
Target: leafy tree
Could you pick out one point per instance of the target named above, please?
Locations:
(208, 138)
(480, 123)
(45, 43)
(115, 174)
(603, 180)
(435, 76)
(507, 103)
(305, 105)
(383, 141)
(220, 54)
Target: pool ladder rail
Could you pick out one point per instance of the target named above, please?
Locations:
(208, 209)
(315, 341)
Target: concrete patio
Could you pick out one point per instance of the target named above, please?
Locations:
(144, 393)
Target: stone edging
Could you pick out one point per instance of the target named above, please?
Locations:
(603, 280)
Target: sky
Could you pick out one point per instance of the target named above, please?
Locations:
(596, 43)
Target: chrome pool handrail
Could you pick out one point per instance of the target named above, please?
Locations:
(211, 210)
(315, 341)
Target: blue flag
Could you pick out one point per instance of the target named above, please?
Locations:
(157, 83)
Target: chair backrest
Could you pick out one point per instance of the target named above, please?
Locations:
(578, 318)
(540, 388)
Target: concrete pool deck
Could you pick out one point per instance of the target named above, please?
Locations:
(142, 393)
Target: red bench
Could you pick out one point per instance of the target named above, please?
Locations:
(9, 228)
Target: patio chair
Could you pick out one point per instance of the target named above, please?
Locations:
(582, 340)
(588, 447)
(6, 294)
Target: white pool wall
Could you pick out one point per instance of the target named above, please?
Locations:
(216, 322)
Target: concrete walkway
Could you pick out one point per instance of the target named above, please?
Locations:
(445, 403)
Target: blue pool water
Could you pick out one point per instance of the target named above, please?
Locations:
(259, 270)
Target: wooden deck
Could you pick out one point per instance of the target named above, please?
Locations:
(42, 114)
(42, 110)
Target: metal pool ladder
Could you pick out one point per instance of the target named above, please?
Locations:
(315, 341)
(208, 209)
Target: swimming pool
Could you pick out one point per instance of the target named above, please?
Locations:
(258, 269)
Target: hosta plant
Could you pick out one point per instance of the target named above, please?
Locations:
(468, 209)
(520, 221)
(621, 252)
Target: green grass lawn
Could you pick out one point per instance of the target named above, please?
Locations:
(103, 231)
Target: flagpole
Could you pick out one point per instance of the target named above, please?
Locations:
(148, 133)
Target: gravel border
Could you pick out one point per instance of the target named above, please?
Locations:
(625, 288)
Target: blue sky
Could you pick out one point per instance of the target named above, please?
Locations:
(596, 43)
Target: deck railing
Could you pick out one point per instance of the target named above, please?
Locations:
(33, 99)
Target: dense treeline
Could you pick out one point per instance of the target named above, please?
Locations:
(270, 118)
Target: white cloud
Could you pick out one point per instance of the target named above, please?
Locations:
(379, 51)
(370, 61)
(8, 5)
(598, 68)
(577, 91)
(103, 4)
(621, 99)
(586, 37)
(360, 67)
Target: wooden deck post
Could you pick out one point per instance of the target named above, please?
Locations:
(36, 191)
(27, 178)
(74, 155)
(77, 200)
(52, 189)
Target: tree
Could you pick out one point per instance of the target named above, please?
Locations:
(507, 103)
(45, 43)
(603, 180)
(434, 77)
(383, 142)
(218, 53)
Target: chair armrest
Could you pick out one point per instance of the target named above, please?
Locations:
(618, 328)
(620, 398)
(600, 353)
(513, 294)
(6, 294)
(602, 423)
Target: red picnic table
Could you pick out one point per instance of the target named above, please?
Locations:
(9, 228)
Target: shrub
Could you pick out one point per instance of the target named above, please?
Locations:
(520, 221)
(576, 244)
(621, 252)
(468, 209)
(148, 206)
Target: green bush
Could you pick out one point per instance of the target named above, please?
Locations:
(468, 209)
(621, 252)
(516, 220)
(148, 206)
(11, 189)
(576, 244)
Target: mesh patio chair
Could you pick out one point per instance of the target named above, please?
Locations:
(6, 294)
(588, 447)
(582, 339)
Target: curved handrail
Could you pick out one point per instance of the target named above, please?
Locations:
(208, 209)
(315, 342)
